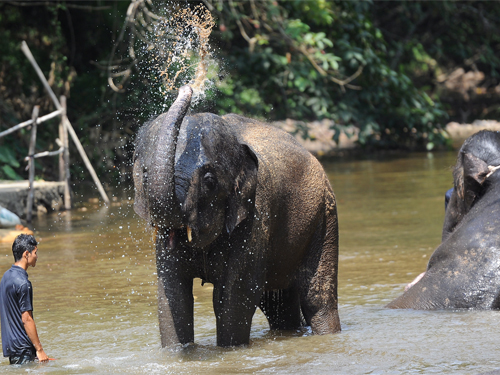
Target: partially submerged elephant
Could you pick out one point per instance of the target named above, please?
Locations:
(464, 271)
(242, 205)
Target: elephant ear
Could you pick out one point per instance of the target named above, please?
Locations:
(242, 197)
(469, 178)
(453, 215)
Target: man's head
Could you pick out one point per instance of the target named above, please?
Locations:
(23, 243)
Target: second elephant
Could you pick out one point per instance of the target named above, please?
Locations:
(464, 271)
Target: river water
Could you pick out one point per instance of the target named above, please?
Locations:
(95, 293)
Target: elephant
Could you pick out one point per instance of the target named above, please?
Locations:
(242, 205)
(464, 270)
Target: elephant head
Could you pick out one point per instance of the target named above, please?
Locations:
(463, 271)
(192, 177)
(473, 174)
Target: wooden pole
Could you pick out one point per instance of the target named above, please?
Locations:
(86, 160)
(62, 100)
(67, 124)
(29, 122)
(31, 166)
(64, 157)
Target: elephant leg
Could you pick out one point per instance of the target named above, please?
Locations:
(282, 308)
(175, 313)
(318, 278)
(175, 298)
(235, 303)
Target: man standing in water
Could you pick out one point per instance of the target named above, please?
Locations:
(20, 340)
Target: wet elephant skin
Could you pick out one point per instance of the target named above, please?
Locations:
(464, 271)
(242, 205)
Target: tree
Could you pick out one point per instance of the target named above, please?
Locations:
(449, 49)
(68, 39)
(383, 67)
(313, 60)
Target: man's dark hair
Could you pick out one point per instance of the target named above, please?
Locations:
(22, 243)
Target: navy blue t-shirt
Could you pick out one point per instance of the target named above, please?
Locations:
(16, 297)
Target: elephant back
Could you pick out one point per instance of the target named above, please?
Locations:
(293, 189)
(271, 144)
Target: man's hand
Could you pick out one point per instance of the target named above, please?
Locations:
(29, 326)
(42, 357)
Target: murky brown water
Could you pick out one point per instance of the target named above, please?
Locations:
(95, 295)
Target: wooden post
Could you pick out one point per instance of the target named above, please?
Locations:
(67, 124)
(64, 157)
(29, 122)
(31, 166)
(61, 138)
(86, 160)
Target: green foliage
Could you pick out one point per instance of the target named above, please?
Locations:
(318, 59)
(377, 66)
(68, 40)
(428, 41)
(9, 161)
(20, 88)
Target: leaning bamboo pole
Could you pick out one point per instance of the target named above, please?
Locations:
(29, 122)
(67, 124)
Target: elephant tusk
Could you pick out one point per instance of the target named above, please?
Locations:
(190, 237)
(492, 170)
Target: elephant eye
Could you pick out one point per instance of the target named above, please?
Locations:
(209, 180)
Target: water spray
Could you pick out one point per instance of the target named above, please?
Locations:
(191, 29)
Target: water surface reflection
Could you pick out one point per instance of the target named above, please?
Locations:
(95, 293)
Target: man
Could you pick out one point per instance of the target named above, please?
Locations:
(20, 340)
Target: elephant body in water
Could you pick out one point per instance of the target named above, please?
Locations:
(464, 271)
(242, 205)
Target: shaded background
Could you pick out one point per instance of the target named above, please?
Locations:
(395, 71)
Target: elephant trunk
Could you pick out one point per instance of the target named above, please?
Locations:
(159, 188)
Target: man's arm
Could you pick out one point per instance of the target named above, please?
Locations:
(30, 327)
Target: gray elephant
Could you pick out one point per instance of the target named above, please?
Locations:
(242, 205)
(464, 271)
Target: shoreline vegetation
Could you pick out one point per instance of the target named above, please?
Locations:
(319, 142)
(388, 76)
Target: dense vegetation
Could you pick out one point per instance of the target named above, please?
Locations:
(396, 71)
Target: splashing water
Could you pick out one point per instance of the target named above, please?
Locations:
(182, 54)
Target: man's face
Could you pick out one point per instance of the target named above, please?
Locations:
(32, 257)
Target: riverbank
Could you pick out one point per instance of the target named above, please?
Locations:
(320, 142)
(460, 132)
(48, 196)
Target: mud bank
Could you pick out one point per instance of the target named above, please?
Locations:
(48, 196)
